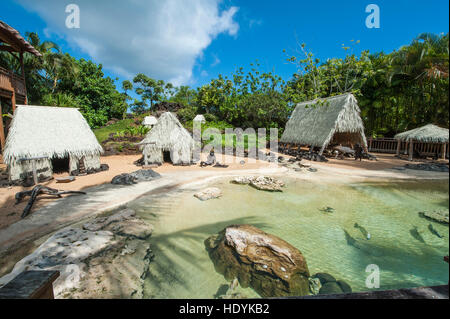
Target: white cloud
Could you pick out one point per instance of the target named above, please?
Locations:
(162, 39)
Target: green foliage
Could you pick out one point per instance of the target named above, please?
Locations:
(59, 99)
(103, 133)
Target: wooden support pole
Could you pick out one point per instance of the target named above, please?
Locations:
(2, 131)
(411, 150)
(444, 150)
(35, 178)
(398, 147)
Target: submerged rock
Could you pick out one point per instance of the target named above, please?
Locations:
(329, 284)
(314, 285)
(437, 216)
(209, 193)
(65, 251)
(268, 264)
(106, 259)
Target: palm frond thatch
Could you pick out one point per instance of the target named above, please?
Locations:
(200, 118)
(316, 122)
(168, 135)
(427, 134)
(149, 121)
(38, 131)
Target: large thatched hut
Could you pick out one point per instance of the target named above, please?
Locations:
(50, 139)
(168, 141)
(320, 122)
(425, 134)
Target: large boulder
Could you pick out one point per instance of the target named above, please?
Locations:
(437, 216)
(268, 264)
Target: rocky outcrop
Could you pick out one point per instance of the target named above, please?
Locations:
(143, 175)
(209, 193)
(437, 216)
(263, 183)
(430, 167)
(268, 264)
(92, 260)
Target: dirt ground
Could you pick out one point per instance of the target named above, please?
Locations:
(118, 164)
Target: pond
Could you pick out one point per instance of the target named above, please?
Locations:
(387, 210)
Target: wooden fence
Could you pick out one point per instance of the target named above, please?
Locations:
(389, 145)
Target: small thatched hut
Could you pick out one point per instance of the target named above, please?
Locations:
(49, 138)
(168, 140)
(200, 118)
(426, 134)
(320, 122)
(149, 121)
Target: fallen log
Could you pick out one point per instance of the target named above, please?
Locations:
(35, 192)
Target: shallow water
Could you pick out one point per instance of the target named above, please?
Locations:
(387, 210)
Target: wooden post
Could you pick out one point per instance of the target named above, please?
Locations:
(411, 149)
(398, 147)
(33, 165)
(2, 131)
(145, 160)
(370, 144)
(444, 150)
(23, 76)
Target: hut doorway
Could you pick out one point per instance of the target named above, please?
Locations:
(167, 158)
(61, 165)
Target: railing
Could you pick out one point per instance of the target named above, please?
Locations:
(389, 145)
(10, 81)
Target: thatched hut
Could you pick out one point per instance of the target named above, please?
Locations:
(426, 134)
(318, 123)
(49, 138)
(149, 121)
(200, 119)
(168, 141)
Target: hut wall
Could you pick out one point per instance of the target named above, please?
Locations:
(90, 161)
(20, 170)
(154, 154)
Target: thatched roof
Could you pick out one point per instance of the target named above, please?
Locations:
(16, 42)
(167, 134)
(200, 118)
(315, 122)
(428, 134)
(37, 131)
(150, 120)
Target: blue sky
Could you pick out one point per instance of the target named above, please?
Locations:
(192, 41)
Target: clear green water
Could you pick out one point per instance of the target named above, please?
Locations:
(182, 268)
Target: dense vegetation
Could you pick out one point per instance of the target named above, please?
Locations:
(396, 91)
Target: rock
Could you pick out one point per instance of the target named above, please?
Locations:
(241, 180)
(324, 277)
(314, 285)
(431, 167)
(437, 216)
(135, 228)
(124, 179)
(264, 183)
(330, 288)
(65, 251)
(102, 222)
(143, 175)
(209, 193)
(313, 170)
(344, 286)
(268, 264)
(232, 292)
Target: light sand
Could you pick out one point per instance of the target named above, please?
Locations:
(10, 213)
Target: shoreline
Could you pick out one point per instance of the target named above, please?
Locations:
(21, 237)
